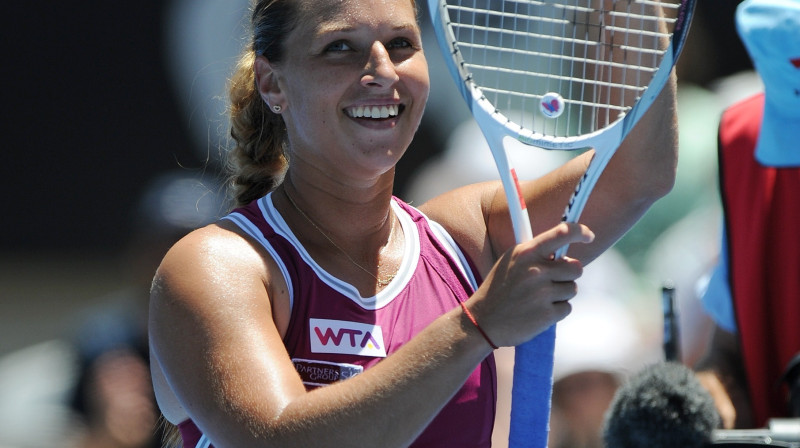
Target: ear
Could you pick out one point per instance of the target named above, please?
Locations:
(267, 82)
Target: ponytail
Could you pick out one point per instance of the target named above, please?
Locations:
(258, 159)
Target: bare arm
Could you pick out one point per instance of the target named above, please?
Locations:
(640, 172)
(213, 333)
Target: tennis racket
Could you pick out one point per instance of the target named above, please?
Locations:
(558, 75)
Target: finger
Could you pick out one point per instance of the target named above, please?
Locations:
(565, 270)
(561, 309)
(563, 291)
(545, 244)
(558, 311)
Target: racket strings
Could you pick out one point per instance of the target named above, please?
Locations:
(598, 55)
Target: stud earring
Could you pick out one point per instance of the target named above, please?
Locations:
(276, 108)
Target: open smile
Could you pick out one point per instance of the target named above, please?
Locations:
(375, 111)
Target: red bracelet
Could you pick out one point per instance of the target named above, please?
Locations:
(475, 322)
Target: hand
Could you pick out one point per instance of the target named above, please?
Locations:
(528, 290)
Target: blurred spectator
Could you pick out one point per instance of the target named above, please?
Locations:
(115, 401)
(683, 255)
(752, 295)
(661, 406)
(92, 389)
(35, 382)
(114, 394)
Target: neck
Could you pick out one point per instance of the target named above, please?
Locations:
(353, 240)
(344, 211)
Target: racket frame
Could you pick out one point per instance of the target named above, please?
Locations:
(496, 126)
(530, 407)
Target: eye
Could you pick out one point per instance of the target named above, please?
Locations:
(400, 42)
(338, 45)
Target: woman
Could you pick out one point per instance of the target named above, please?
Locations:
(323, 278)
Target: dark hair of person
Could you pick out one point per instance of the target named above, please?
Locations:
(662, 406)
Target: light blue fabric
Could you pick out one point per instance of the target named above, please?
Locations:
(717, 299)
(770, 31)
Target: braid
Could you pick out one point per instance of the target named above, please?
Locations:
(171, 435)
(258, 159)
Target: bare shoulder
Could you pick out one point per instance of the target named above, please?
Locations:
(215, 274)
(215, 325)
(207, 258)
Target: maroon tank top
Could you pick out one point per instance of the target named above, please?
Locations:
(334, 333)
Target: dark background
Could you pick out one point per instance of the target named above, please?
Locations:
(89, 115)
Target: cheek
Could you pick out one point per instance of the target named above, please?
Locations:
(308, 95)
(416, 78)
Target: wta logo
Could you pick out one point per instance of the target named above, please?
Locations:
(346, 338)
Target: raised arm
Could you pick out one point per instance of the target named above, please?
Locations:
(640, 172)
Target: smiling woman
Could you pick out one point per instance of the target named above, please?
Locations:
(334, 65)
(324, 311)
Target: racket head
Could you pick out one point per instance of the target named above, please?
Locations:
(556, 74)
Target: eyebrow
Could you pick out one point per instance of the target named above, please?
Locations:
(347, 28)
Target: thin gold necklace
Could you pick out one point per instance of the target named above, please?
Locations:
(381, 282)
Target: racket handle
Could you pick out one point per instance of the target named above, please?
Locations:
(532, 391)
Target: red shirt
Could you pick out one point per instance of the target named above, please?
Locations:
(762, 217)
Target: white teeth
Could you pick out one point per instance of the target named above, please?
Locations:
(373, 111)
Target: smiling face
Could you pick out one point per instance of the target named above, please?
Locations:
(352, 83)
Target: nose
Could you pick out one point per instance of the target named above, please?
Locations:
(380, 69)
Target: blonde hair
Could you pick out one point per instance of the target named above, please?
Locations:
(171, 435)
(257, 160)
